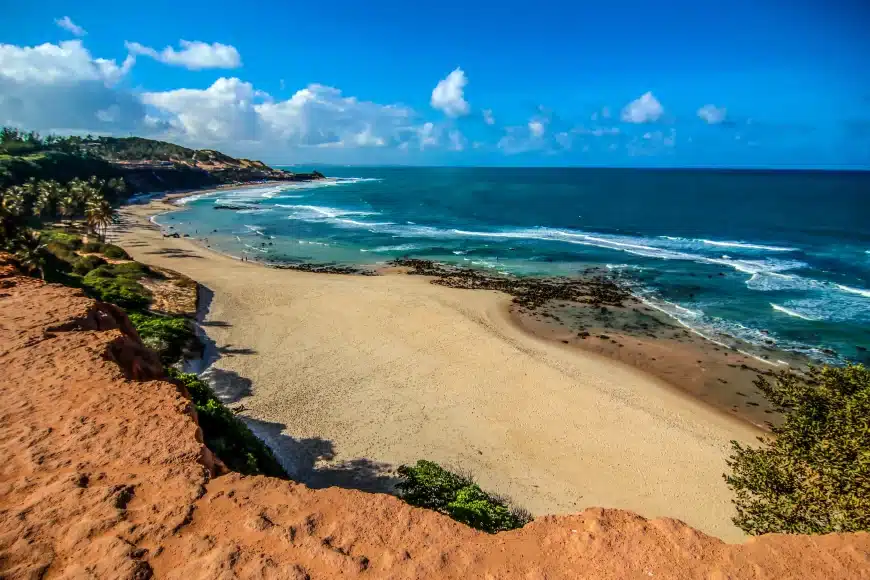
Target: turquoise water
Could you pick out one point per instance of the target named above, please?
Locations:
(750, 254)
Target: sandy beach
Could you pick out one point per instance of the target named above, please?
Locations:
(346, 377)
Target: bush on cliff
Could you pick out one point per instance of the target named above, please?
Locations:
(119, 284)
(429, 485)
(114, 252)
(227, 435)
(167, 335)
(813, 475)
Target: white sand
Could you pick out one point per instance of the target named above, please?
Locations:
(391, 369)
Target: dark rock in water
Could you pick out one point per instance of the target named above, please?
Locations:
(325, 269)
(527, 292)
(861, 348)
(829, 351)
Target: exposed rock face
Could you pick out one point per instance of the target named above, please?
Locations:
(103, 475)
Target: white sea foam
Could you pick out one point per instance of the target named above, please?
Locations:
(261, 250)
(312, 243)
(317, 212)
(747, 246)
(399, 248)
(791, 312)
(256, 229)
(858, 291)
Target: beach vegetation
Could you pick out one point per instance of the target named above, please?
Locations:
(225, 434)
(166, 335)
(428, 485)
(812, 474)
(114, 252)
(119, 284)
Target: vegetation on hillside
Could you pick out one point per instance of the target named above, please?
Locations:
(227, 435)
(428, 485)
(146, 164)
(24, 209)
(812, 476)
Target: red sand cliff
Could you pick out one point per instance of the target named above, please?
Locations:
(103, 475)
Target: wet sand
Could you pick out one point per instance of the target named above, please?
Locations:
(347, 377)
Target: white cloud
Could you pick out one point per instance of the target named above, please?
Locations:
(66, 62)
(487, 117)
(194, 55)
(319, 114)
(457, 141)
(712, 114)
(224, 111)
(71, 26)
(536, 128)
(427, 135)
(644, 109)
(62, 87)
(448, 95)
(231, 111)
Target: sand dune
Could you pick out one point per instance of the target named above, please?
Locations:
(347, 376)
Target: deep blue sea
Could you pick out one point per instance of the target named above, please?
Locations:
(749, 254)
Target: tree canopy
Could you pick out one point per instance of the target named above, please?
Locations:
(812, 476)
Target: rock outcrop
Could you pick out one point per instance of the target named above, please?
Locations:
(103, 475)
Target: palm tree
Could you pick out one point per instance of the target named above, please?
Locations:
(47, 200)
(99, 214)
(66, 204)
(31, 253)
(31, 190)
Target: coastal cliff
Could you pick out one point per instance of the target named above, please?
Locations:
(146, 165)
(104, 474)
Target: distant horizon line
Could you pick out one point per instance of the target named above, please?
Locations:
(592, 167)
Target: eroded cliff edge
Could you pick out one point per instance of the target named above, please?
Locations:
(103, 475)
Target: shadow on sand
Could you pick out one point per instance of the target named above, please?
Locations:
(307, 460)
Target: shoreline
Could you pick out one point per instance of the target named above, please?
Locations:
(690, 362)
(347, 377)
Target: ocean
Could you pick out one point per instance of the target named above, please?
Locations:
(752, 255)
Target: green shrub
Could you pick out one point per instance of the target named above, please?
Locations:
(133, 270)
(168, 335)
(225, 434)
(60, 237)
(92, 247)
(429, 485)
(85, 264)
(114, 252)
(61, 251)
(813, 475)
(124, 290)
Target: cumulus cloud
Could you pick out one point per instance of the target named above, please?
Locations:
(712, 114)
(536, 128)
(457, 140)
(448, 95)
(193, 55)
(232, 111)
(62, 87)
(318, 114)
(71, 26)
(222, 112)
(644, 109)
(427, 135)
(487, 117)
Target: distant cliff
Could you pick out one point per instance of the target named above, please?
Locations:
(104, 474)
(145, 164)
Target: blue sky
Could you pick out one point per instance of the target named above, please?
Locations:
(768, 83)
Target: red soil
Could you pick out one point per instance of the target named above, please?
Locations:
(103, 475)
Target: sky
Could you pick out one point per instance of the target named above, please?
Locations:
(763, 83)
